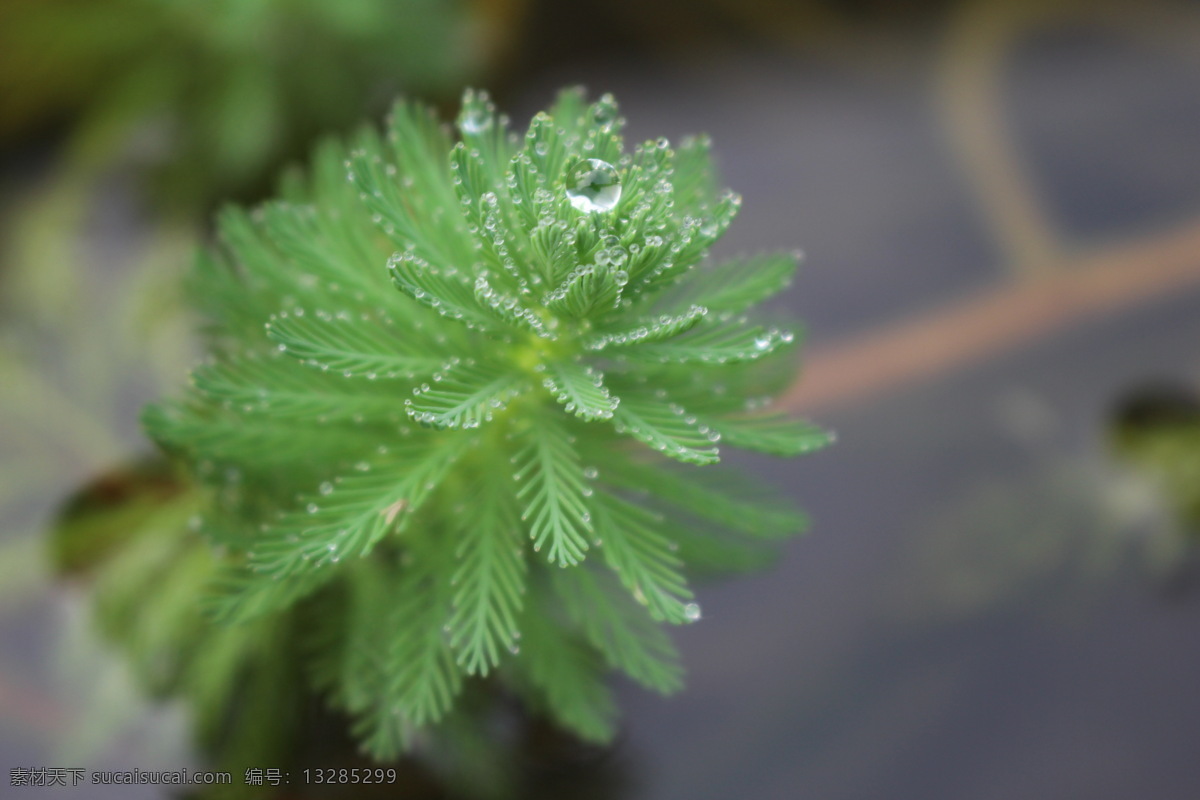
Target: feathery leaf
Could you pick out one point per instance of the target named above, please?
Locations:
(719, 496)
(669, 429)
(774, 434)
(348, 516)
(635, 547)
(350, 347)
(445, 290)
(489, 580)
(621, 630)
(417, 673)
(464, 394)
(284, 389)
(734, 287)
(715, 344)
(580, 389)
(206, 434)
(650, 330)
(569, 677)
(554, 492)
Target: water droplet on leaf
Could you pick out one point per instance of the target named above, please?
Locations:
(474, 121)
(593, 185)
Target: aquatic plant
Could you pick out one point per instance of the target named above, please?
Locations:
(457, 402)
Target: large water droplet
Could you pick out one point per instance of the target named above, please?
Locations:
(691, 612)
(475, 120)
(593, 185)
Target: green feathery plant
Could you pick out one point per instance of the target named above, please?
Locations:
(449, 390)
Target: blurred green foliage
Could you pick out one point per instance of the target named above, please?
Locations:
(1156, 431)
(1055, 540)
(1060, 536)
(210, 95)
(241, 692)
(127, 536)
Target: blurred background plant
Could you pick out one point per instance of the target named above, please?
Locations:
(210, 98)
(1058, 535)
(199, 102)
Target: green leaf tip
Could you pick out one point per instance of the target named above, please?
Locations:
(456, 389)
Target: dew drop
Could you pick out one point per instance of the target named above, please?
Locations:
(475, 120)
(615, 256)
(593, 185)
(326, 488)
(691, 612)
(604, 113)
